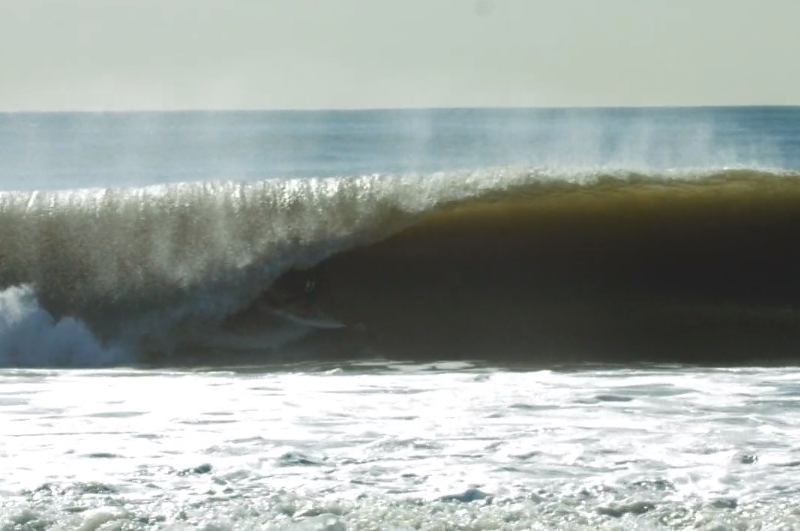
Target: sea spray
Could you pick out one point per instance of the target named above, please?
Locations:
(31, 337)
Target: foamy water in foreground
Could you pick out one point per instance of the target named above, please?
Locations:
(391, 446)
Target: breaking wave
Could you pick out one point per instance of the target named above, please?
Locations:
(538, 262)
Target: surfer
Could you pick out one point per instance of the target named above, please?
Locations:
(293, 295)
(296, 286)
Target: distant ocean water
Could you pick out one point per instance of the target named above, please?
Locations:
(465, 319)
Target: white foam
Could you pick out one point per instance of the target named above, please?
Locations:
(31, 337)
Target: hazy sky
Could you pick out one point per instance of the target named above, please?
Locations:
(166, 54)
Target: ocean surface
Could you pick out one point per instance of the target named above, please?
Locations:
(459, 319)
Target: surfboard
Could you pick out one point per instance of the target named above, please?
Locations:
(311, 322)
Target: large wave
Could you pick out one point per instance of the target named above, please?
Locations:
(160, 271)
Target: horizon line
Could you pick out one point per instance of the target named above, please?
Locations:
(394, 109)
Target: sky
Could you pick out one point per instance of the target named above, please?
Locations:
(340, 54)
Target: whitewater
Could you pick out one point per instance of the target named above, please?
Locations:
(444, 319)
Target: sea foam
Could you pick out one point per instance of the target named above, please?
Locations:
(30, 336)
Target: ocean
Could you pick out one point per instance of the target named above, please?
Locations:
(455, 319)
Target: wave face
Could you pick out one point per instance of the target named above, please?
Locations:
(617, 268)
(516, 263)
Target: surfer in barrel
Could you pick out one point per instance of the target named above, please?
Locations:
(293, 296)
